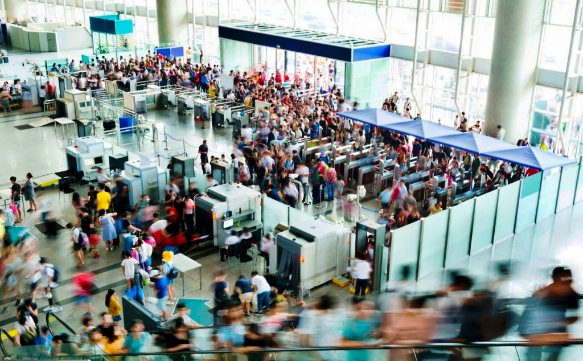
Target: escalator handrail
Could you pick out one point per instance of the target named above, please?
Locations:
(2, 348)
(51, 314)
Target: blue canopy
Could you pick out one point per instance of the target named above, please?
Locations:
(375, 117)
(531, 157)
(421, 129)
(473, 142)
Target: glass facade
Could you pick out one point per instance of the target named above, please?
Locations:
(438, 25)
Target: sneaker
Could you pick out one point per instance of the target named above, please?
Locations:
(169, 302)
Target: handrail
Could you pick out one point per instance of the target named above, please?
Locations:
(422, 346)
(50, 314)
(2, 348)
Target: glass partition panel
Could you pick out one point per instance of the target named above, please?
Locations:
(433, 239)
(274, 212)
(527, 203)
(485, 216)
(506, 211)
(297, 217)
(404, 250)
(567, 186)
(548, 193)
(459, 232)
(579, 191)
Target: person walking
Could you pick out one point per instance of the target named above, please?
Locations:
(15, 191)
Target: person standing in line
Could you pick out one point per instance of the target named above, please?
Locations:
(15, 190)
(361, 272)
(29, 194)
(108, 233)
(263, 290)
(128, 268)
(265, 247)
(189, 206)
(499, 132)
(203, 151)
(103, 198)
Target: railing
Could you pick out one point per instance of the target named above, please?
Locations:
(4, 333)
(50, 317)
(511, 350)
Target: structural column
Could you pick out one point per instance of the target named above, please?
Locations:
(172, 21)
(519, 24)
(15, 9)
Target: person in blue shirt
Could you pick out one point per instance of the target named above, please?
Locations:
(243, 286)
(359, 329)
(136, 339)
(160, 285)
(385, 196)
(315, 130)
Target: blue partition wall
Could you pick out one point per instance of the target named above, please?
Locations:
(459, 233)
(433, 241)
(485, 215)
(528, 202)
(404, 250)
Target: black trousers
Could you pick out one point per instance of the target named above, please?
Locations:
(360, 288)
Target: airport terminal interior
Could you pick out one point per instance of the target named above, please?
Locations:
(291, 180)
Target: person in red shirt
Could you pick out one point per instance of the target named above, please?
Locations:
(50, 89)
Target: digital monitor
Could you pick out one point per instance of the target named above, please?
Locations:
(89, 162)
(98, 160)
(228, 223)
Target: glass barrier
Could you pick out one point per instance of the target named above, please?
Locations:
(484, 220)
(274, 212)
(459, 232)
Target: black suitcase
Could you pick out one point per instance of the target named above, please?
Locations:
(108, 124)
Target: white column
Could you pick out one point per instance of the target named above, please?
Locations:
(15, 9)
(519, 24)
(172, 22)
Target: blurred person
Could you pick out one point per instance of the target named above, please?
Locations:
(231, 334)
(548, 314)
(265, 246)
(177, 340)
(160, 285)
(136, 340)
(321, 326)
(361, 272)
(83, 288)
(360, 328)
(183, 312)
(170, 272)
(220, 289)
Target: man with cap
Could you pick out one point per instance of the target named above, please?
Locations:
(160, 284)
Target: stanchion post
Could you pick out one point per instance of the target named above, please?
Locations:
(165, 138)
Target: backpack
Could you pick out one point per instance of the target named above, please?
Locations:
(83, 240)
(56, 274)
(172, 274)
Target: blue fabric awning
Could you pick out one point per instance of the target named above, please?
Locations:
(473, 142)
(531, 157)
(421, 129)
(376, 117)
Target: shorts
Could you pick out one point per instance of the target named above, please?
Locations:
(161, 303)
(117, 318)
(79, 300)
(77, 247)
(246, 297)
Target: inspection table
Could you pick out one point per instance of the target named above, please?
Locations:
(185, 264)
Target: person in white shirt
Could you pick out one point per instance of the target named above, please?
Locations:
(263, 289)
(265, 247)
(207, 169)
(499, 133)
(247, 132)
(48, 276)
(231, 241)
(361, 273)
(128, 267)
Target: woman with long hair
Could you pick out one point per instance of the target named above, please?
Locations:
(113, 305)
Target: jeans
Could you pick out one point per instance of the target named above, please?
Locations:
(330, 191)
(262, 301)
(306, 192)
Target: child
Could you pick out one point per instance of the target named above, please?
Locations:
(128, 267)
(94, 240)
(113, 305)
